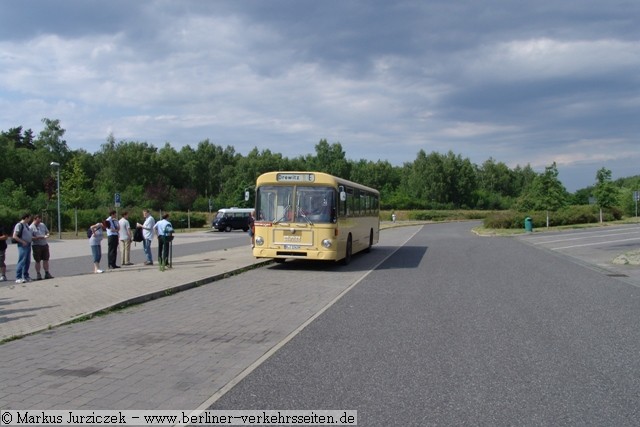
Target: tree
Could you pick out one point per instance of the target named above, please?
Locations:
(437, 180)
(523, 178)
(74, 185)
(166, 178)
(546, 192)
(425, 182)
(50, 139)
(125, 164)
(605, 192)
(496, 185)
(330, 159)
(460, 180)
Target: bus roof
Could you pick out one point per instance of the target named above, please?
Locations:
(307, 177)
(223, 210)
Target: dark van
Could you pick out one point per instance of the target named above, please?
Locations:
(232, 219)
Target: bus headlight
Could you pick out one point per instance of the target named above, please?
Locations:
(326, 243)
(259, 241)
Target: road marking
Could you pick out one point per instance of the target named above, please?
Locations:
(593, 244)
(585, 237)
(217, 395)
(587, 231)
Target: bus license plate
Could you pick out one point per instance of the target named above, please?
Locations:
(290, 247)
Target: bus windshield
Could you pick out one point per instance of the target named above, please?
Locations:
(310, 204)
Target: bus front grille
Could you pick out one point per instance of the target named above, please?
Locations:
(291, 254)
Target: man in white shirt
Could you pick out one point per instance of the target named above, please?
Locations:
(147, 233)
(125, 238)
(40, 246)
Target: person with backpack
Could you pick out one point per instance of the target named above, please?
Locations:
(22, 236)
(164, 231)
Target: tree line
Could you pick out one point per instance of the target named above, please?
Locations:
(208, 177)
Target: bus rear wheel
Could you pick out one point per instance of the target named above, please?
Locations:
(370, 242)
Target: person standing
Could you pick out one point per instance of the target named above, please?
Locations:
(164, 231)
(112, 239)
(95, 242)
(22, 235)
(147, 233)
(40, 246)
(125, 238)
(3, 252)
(252, 228)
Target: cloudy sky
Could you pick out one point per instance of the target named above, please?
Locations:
(523, 82)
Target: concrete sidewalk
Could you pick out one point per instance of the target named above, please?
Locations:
(39, 305)
(180, 352)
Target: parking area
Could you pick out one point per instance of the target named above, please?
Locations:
(595, 247)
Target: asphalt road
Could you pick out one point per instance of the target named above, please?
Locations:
(455, 329)
(594, 247)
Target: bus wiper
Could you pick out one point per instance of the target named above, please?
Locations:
(284, 215)
(303, 215)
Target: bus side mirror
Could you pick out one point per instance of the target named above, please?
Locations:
(343, 196)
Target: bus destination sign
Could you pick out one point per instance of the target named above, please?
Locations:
(295, 177)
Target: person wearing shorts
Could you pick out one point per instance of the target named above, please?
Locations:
(40, 247)
(95, 242)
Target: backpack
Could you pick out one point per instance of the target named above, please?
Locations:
(19, 234)
(89, 232)
(137, 235)
(168, 232)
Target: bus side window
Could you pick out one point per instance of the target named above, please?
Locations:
(350, 202)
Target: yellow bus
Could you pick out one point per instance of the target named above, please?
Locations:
(315, 216)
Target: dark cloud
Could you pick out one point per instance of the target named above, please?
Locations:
(23, 19)
(522, 82)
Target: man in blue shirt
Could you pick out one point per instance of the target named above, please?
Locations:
(164, 239)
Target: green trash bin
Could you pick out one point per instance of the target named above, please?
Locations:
(528, 224)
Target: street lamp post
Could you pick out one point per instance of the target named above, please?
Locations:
(57, 166)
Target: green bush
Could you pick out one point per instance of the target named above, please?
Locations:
(569, 215)
(505, 219)
(433, 215)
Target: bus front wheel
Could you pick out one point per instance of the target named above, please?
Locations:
(348, 252)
